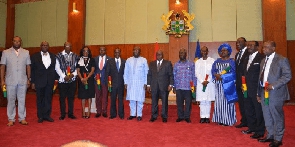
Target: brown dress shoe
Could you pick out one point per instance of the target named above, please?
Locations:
(10, 123)
(23, 122)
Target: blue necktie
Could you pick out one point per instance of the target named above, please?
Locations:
(117, 64)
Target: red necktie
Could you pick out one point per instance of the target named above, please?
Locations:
(101, 63)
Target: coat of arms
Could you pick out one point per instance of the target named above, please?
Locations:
(178, 26)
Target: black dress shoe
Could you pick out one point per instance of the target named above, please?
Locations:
(265, 140)
(131, 117)
(247, 131)
(179, 119)
(61, 118)
(49, 119)
(72, 117)
(40, 120)
(241, 125)
(104, 115)
(164, 120)
(112, 117)
(188, 120)
(153, 119)
(202, 120)
(139, 118)
(97, 115)
(275, 143)
(121, 117)
(207, 120)
(256, 136)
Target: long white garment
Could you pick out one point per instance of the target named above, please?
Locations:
(135, 76)
(203, 67)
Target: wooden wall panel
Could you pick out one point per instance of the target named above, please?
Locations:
(274, 23)
(291, 58)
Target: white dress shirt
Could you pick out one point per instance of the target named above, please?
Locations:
(267, 67)
(251, 57)
(46, 59)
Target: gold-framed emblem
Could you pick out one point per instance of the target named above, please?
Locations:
(177, 26)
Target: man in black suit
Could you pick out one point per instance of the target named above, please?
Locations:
(42, 79)
(115, 69)
(253, 108)
(240, 60)
(160, 82)
(274, 69)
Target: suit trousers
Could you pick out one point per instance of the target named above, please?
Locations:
(274, 117)
(44, 101)
(117, 92)
(18, 91)
(253, 111)
(101, 98)
(155, 99)
(241, 105)
(67, 90)
(184, 97)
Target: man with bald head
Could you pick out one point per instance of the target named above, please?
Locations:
(66, 68)
(274, 69)
(43, 76)
(16, 62)
(135, 80)
(160, 82)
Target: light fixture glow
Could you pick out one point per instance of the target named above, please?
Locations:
(177, 2)
(75, 7)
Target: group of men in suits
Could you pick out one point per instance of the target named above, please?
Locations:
(266, 77)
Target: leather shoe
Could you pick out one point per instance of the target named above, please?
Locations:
(164, 120)
(104, 115)
(207, 120)
(131, 117)
(97, 115)
(179, 119)
(153, 119)
(112, 117)
(139, 118)
(72, 117)
(188, 120)
(256, 136)
(61, 118)
(121, 117)
(40, 120)
(247, 131)
(202, 120)
(265, 140)
(49, 119)
(241, 125)
(275, 143)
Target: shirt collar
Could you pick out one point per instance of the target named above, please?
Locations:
(243, 50)
(160, 61)
(64, 52)
(271, 56)
(118, 59)
(254, 54)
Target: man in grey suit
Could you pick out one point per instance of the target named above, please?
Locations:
(16, 62)
(160, 82)
(274, 69)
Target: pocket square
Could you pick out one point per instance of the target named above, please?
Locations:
(256, 63)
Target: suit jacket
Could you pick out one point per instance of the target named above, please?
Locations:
(15, 66)
(117, 76)
(163, 78)
(40, 75)
(252, 74)
(240, 67)
(103, 76)
(279, 75)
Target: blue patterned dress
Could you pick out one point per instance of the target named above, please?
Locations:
(224, 112)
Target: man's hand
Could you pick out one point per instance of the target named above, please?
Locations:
(125, 86)
(2, 84)
(269, 87)
(218, 77)
(33, 86)
(28, 83)
(67, 78)
(144, 86)
(149, 89)
(205, 83)
(258, 99)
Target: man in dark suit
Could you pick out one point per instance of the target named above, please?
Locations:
(274, 69)
(253, 108)
(160, 82)
(101, 95)
(115, 69)
(43, 76)
(240, 59)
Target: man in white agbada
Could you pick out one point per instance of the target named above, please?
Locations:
(203, 66)
(135, 79)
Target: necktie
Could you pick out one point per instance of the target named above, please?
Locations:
(249, 62)
(239, 56)
(262, 73)
(101, 63)
(158, 67)
(117, 64)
